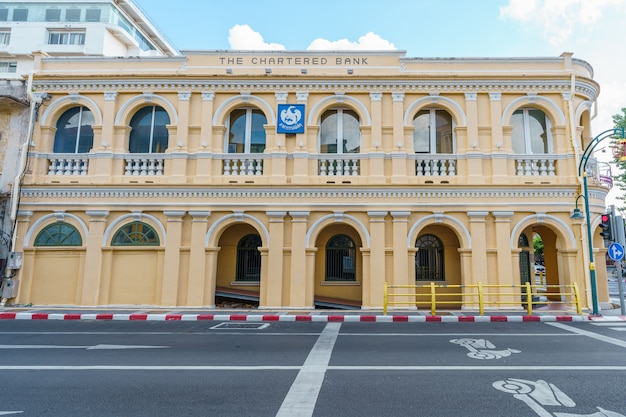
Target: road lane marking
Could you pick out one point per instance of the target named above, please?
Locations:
(302, 396)
(592, 335)
(300, 367)
(94, 347)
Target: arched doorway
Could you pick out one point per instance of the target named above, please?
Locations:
(238, 275)
(338, 268)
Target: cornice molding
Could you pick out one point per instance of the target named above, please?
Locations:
(582, 87)
(330, 196)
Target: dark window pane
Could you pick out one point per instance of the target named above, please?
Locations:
(248, 259)
(74, 125)
(135, 234)
(59, 234)
(72, 15)
(53, 15)
(340, 259)
(92, 15)
(20, 15)
(148, 130)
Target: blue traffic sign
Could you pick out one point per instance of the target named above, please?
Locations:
(616, 251)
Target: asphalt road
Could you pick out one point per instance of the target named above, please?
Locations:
(108, 368)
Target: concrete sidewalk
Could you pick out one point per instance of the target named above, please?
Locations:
(149, 313)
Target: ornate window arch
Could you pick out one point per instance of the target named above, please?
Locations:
(433, 131)
(149, 132)
(429, 259)
(59, 234)
(135, 234)
(531, 131)
(340, 259)
(340, 131)
(74, 131)
(245, 130)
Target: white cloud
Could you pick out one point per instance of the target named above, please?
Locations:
(368, 42)
(559, 18)
(242, 37)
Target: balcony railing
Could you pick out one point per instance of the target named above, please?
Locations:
(74, 164)
(243, 164)
(339, 165)
(535, 165)
(441, 165)
(144, 164)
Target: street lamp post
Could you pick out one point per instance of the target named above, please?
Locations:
(582, 171)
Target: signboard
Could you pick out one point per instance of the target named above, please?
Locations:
(290, 118)
(616, 251)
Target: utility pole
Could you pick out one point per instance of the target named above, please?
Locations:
(618, 235)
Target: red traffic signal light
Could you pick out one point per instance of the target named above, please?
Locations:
(607, 228)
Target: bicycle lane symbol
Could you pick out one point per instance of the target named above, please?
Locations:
(540, 394)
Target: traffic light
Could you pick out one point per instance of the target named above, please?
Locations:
(607, 229)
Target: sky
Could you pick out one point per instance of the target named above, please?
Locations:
(593, 30)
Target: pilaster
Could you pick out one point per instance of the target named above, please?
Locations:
(299, 281)
(93, 258)
(171, 268)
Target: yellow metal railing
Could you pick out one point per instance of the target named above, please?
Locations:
(480, 294)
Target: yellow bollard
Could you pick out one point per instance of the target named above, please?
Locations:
(529, 299)
(481, 301)
(433, 302)
(579, 308)
(385, 299)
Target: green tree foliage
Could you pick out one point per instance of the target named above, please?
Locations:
(619, 120)
(538, 248)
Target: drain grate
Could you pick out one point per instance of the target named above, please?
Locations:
(241, 326)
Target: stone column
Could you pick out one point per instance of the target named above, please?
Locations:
(299, 281)
(376, 148)
(505, 270)
(104, 144)
(399, 145)
(204, 154)
(178, 150)
(201, 283)
(373, 290)
(401, 275)
(503, 148)
(93, 258)
(478, 231)
(474, 147)
(171, 267)
(301, 151)
(272, 286)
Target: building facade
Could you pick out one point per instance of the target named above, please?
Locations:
(68, 28)
(302, 179)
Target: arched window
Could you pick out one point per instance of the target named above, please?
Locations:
(246, 131)
(429, 259)
(522, 241)
(59, 234)
(340, 259)
(149, 130)
(531, 131)
(135, 234)
(248, 259)
(340, 132)
(433, 132)
(74, 131)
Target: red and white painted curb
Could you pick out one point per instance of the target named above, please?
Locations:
(301, 318)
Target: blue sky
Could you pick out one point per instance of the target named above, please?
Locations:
(594, 30)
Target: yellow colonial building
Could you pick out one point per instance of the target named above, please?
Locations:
(302, 178)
